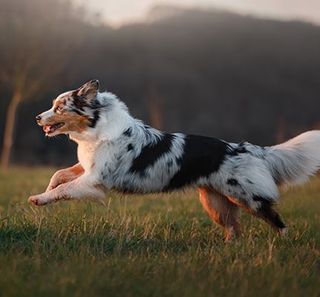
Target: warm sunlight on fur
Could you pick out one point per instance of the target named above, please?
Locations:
(67, 114)
(119, 152)
(64, 123)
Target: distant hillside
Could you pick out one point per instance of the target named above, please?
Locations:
(230, 75)
(206, 72)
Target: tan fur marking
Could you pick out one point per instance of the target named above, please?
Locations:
(65, 175)
(221, 211)
(73, 122)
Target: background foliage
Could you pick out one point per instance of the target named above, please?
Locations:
(206, 72)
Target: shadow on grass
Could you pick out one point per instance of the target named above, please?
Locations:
(27, 240)
(60, 241)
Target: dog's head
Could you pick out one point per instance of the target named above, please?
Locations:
(72, 111)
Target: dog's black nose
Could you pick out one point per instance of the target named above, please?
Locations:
(38, 118)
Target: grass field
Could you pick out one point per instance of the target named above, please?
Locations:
(161, 245)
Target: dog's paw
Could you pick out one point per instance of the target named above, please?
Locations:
(37, 200)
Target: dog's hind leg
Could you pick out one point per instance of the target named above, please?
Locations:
(221, 210)
(266, 212)
(263, 209)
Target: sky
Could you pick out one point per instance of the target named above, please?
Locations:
(118, 12)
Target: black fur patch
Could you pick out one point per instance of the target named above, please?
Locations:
(239, 149)
(128, 132)
(170, 163)
(96, 105)
(129, 147)
(261, 199)
(232, 182)
(151, 153)
(78, 101)
(201, 157)
(77, 111)
(266, 212)
(277, 177)
(94, 120)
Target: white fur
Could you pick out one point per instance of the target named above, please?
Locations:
(297, 159)
(103, 154)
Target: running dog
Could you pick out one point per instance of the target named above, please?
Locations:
(119, 152)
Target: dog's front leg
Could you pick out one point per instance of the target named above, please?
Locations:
(65, 175)
(82, 187)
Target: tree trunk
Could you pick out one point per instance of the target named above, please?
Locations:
(9, 130)
(155, 108)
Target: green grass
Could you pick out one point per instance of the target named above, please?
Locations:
(160, 245)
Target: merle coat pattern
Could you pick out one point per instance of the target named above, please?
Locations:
(117, 151)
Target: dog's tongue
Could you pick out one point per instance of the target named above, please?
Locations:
(46, 128)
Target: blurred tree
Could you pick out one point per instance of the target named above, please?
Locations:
(39, 37)
(204, 72)
(154, 103)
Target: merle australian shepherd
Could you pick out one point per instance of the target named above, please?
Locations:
(117, 151)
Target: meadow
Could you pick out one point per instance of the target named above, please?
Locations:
(158, 245)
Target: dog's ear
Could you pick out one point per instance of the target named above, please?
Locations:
(89, 90)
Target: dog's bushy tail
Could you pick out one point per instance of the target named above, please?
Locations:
(294, 161)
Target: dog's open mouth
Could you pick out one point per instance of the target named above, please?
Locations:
(49, 129)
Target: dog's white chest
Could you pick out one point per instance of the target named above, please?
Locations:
(97, 158)
(86, 155)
